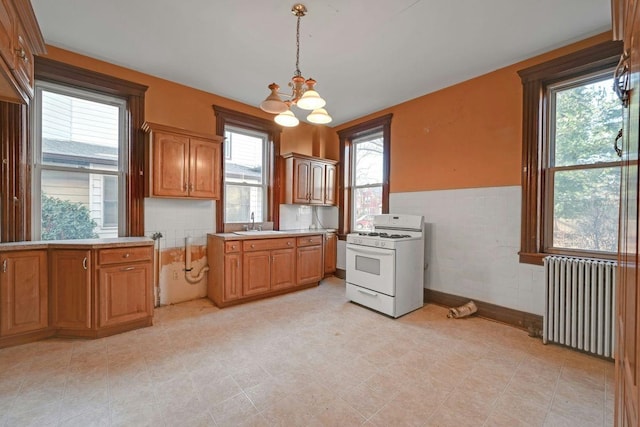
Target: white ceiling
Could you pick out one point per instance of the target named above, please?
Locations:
(365, 54)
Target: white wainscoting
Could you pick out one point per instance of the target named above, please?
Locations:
(474, 238)
(472, 251)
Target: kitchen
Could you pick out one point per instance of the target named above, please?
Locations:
(480, 189)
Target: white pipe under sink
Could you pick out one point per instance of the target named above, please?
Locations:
(187, 266)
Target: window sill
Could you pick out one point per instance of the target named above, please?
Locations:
(537, 258)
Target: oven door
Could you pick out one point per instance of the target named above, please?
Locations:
(372, 268)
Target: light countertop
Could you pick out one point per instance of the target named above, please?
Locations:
(115, 242)
(272, 235)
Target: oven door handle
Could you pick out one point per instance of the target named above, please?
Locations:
(364, 251)
(366, 292)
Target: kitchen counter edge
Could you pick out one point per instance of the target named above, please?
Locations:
(115, 242)
(280, 234)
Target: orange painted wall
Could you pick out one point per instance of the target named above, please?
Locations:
(184, 107)
(464, 136)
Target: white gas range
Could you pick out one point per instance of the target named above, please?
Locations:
(385, 267)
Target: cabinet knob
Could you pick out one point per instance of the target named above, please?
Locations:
(253, 246)
(126, 255)
(288, 243)
(233, 246)
(4, 266)
(84, 263)
(21, 54)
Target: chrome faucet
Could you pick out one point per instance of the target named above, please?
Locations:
(253, 222)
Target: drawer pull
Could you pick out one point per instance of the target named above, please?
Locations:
(127, 269)
(126, 255)
(84, 263)
(288, 243)
(366, 292)
(4, 266)
(253, 246)
(233, 246)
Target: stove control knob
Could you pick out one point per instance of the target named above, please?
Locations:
(377, 243)
(383, 244)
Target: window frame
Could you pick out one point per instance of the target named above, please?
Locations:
(345, 193)
(354, 185)
(49, 70)
(39, 166)
(227, 117)
(535, 139)
(265, 167)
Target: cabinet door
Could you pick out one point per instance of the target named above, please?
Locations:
(301, 184)
(316, 184)
(124, 293)
(71, 288)
(7, 33)
(283, 268)
(23, 292)
(310, 266)
(330, 177)
(330, 250)
(170, 165)
(256, 272)
(232, 277)
(204, 169)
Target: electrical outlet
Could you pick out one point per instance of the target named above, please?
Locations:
(175, 275)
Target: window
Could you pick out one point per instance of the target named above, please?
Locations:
(80, 158)
(365, 150)
(245, 175)
(368, 160)
(97, 165)
(110, 201)
(251, 146)
(583, 170)
(571, 173)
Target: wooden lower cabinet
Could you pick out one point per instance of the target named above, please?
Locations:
(125, 294)
(71, 289)
(23, 292)
(256, 269)
(330, 253)
(310, 264)
(244, 270)
(282, 272)
(232, 277)
(101, 291)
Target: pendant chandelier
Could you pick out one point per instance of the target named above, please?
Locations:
(303, 94)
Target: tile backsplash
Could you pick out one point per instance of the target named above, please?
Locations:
(177, 219)
(296, 217)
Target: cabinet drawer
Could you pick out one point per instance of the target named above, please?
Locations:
(266, 244)
(310, 240)
(230, 247)
(122, 255)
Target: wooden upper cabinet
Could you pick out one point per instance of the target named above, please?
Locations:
(331, 179)
(182, 164)
(309, 180)
(23, 292)
(204, 169)
(20, 40)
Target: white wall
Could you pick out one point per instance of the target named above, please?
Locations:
(473, 242)
(177, 219)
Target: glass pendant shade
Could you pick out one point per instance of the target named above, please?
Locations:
(319, 116)
(273, 104)
(311, 100)
(287, 119)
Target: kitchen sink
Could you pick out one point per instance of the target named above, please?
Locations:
(256, 232)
